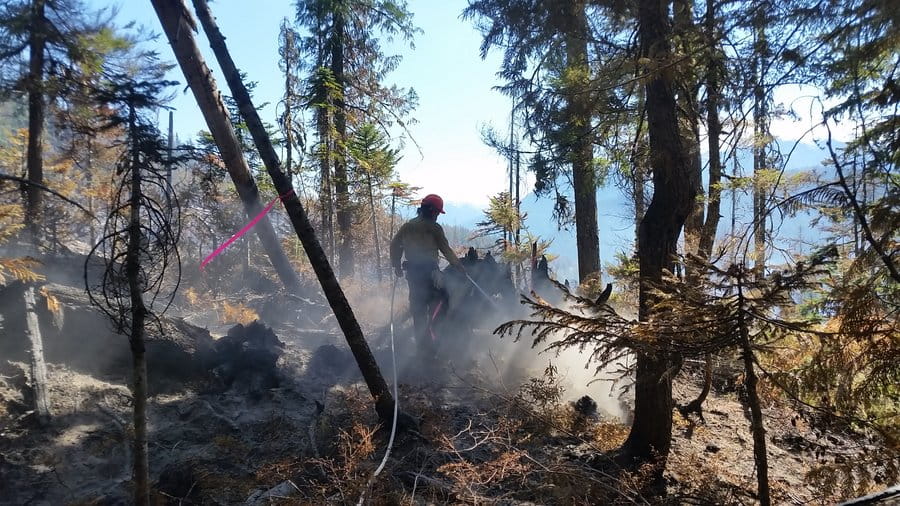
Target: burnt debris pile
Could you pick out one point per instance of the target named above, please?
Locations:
(245, 360)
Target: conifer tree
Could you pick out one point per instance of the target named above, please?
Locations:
(549, 52)
(139, 249)
(374, 162)
(54, 36)
(346, 90)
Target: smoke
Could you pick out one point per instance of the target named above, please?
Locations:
(577, 373)
(502, 364)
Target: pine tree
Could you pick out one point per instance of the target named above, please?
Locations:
(374, 162)
(547, 65)
(55, 35)
(346, 89)
(138, 247)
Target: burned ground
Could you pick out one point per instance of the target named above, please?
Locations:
(276, 412)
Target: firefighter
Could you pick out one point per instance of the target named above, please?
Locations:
(420, 239)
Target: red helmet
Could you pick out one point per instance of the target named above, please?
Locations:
(435, 202)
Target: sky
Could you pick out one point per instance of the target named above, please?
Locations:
(453, 83)
(456, 101)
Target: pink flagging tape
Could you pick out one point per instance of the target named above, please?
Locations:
(244, 230)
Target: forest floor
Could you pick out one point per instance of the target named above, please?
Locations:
(488, 433)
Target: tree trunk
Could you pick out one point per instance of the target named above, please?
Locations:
(346, 262)
(714, 201)
(326, 201)
(639, 203)
(519, 282)
(638, 162)
(179, 28)
(170, 146)
(38, 367)
(760, 456)
(34, 209)
(714, 131)
(136, 336)
(375, 229)
(507, 233)
(288, 101)
(760, 137)
(89, 179)
(582, 150)
(689, 121)
(673, 198)
(384, 401)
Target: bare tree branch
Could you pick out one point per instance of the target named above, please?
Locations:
(21, 180)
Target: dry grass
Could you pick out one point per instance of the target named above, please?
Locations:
(237, 313)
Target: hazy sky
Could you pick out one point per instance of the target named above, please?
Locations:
(454, 85)
(452, 81)
(456, 100)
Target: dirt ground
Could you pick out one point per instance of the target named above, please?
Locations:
(486, 434)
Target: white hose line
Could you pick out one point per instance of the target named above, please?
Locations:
(390, 445)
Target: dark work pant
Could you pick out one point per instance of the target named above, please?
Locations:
(423, 298)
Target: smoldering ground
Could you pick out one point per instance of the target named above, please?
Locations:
(469, 353)
(90, 374)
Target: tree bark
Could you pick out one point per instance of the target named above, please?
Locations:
(714, 201)
(326, 201)
(760, 137)
(375, 229)
(384, 401)
(638, 162)
(346, 261)
(288, 101)
(38, 366)
(36, 109)
(757, 428)
(136, 336)
(714, 131)
(179, 27)
(689, 121)
(673, 197)
(584, 177)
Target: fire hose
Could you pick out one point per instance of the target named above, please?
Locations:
(482, 292)
(390, 445)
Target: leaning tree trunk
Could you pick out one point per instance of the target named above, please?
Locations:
(35, 149)
(686, 30)
(384, 402)
(714, 131)
(136, 337)
(673, 198)
(38, 366)
(179, 28)
(583, 175)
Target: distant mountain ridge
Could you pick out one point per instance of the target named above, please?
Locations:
(614, 215)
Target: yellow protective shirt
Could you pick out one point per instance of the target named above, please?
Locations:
(420, 240)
